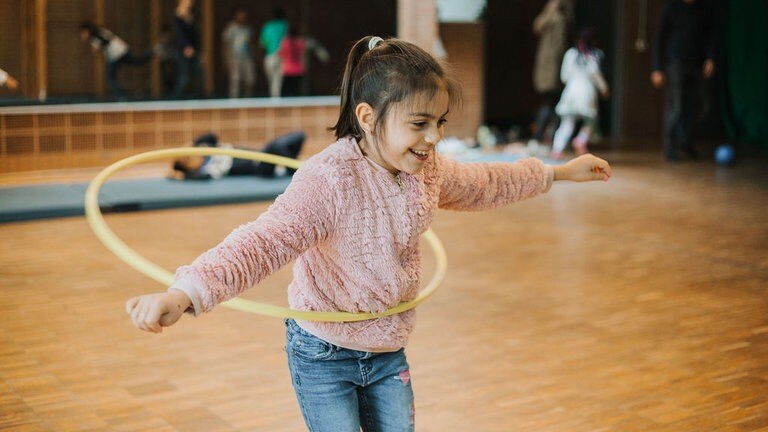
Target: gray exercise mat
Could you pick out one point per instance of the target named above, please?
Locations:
(60, 199)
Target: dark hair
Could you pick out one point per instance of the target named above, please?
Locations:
(88, 25)
(586, 45)
(208, 139)
(390, 72)
(278, 13)
(178, 166)
(587, 40)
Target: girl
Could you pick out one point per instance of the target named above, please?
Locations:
(352, 218)
(581, 74)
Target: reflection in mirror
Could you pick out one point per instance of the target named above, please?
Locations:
(83, 51)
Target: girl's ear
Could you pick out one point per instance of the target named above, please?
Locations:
(365, 117)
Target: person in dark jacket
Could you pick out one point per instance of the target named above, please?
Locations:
(188, 62)
(683, 58)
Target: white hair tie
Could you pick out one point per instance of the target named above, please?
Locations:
(373, 41)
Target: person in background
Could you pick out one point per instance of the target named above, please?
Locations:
(552, 26)
(295, 53)
(683, 57)
(272, 34)
(188, 62)
(583, 80)
(116, 53)
(217, 166)
(238, 55)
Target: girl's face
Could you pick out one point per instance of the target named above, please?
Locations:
(407, 137)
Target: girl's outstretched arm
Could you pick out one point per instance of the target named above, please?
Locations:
(300, 218)
(584, 168)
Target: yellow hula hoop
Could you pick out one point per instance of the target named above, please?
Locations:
(118, 247)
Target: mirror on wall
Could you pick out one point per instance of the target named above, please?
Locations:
(80, 51)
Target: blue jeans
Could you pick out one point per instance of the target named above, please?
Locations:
(343, 390)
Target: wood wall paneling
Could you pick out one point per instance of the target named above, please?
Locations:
(417, 22)
(69, 61)
(463, 42)
(11, 42)
(31, 142)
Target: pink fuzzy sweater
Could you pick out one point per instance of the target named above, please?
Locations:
(354, 233)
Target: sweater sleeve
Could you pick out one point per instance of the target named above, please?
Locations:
(479, 186)
(300, 218)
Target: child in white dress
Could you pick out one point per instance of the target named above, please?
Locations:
(582, 77)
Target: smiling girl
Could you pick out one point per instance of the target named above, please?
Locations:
(352, 218)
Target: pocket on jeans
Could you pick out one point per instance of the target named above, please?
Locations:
(307, 346)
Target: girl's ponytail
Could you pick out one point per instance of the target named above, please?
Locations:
(347, 123)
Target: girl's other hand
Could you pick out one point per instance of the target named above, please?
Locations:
(154, 311)
(584, 168)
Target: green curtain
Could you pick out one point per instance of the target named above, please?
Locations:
(746, 71)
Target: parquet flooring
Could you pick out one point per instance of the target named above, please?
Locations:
(636, 305)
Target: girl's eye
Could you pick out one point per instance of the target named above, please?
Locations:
(419, 125)
(442, 122)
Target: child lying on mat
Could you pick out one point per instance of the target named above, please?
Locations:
(218, 166)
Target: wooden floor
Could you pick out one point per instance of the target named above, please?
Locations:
(636, 305)
(81, 175)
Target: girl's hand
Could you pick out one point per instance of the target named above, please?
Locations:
(154, 311)
(584, 168)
